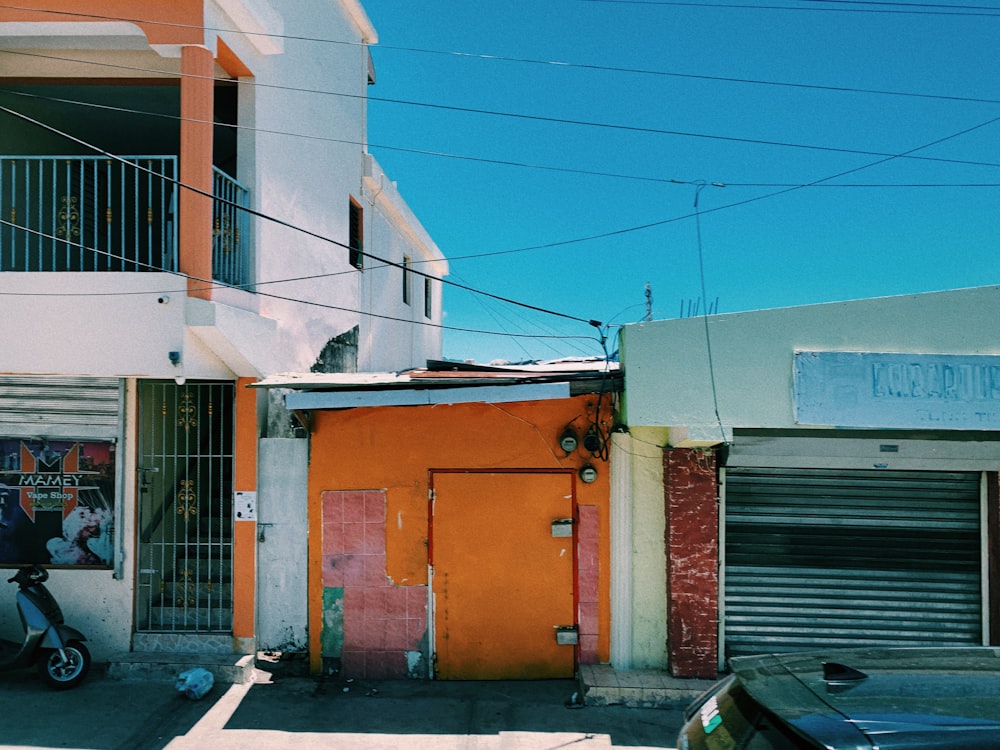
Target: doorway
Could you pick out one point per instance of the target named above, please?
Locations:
(185, 521)
(503, 571)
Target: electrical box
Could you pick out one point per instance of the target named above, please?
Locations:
(562, 527)
(567, 635)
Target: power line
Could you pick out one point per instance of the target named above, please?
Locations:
(485, 160)
(752, 6)
(210, 284)
(560, 243)
(744, 202)
(288, 225)
(528, 117)
(572, 65)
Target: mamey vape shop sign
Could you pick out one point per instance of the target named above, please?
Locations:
(57, 502)
(867, 389)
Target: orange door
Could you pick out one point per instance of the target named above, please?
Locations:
(502, 577)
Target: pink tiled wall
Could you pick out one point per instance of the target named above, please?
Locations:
(382, 622)
(587, 577)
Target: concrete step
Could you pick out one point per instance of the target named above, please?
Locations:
(603, 685)
(160, 657)
(162, 666)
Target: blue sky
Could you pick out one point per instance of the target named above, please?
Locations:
(659, 98)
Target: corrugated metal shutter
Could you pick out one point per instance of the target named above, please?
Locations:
(59, 406)
(823, 558)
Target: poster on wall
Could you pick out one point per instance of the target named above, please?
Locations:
(57, 502)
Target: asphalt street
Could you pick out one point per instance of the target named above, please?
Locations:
(303, 712)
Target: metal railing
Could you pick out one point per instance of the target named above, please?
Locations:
(80, 213)
(230, 230)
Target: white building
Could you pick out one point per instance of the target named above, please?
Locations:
(152, 265)
(823, 475)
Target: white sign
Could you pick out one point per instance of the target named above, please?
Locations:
(918, 391)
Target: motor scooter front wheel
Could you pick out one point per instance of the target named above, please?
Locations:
(64, 675)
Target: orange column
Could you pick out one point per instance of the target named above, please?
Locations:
(197, 111)
(245, 531)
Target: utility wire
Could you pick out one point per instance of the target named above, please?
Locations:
(288, 225)
(211, 284)
(558, 63)
(499, 162)
(483, 160)
(753, 6)
(744, 202)
(522, 116)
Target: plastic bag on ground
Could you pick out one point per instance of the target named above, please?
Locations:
(195, 683)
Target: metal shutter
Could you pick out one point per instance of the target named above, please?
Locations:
(820, 558)
(59, 406)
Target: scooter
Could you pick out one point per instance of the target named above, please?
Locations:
(56, 648)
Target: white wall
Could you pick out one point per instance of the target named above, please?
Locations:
(639, 564)
(309, 112)
(669, 396)
(282, 556)
(667, 374)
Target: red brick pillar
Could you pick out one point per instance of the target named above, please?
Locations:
(692, 539)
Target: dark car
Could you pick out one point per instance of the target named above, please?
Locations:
(858, 699)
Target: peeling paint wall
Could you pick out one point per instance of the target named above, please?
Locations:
(391, 452)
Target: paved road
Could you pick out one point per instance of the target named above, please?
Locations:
(301, 713)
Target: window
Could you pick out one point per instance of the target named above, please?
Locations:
(428, 302)
(356, 237)
(407, 273)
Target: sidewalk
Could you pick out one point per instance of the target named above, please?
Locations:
(305, 713)
(647, 688)
(299, 713)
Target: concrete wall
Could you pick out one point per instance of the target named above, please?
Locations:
(282, 561)
(668, 379)
(391, 451)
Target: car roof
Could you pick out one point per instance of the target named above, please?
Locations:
(896, 698)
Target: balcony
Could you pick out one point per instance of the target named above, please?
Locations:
(75, 213)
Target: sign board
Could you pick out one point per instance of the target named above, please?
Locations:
(915, 391)
(57, 500)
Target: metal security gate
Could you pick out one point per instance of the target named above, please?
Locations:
(60, 405)
(185, 516)
(820, 558)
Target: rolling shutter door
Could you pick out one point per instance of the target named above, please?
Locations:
(59, 406)
(820, 558)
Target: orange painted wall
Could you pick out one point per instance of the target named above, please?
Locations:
(245, 532)
(168, 21)
(197, 111)
(394, 448)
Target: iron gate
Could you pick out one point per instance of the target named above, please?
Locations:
(185, 517)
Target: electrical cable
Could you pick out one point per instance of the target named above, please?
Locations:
(288, 225)
(516, 115)
(499, 162)
(209, 285)
(682, 3)
(556, 63)
(704, 297)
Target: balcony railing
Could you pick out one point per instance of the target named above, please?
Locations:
(78, 213)
(230, 230)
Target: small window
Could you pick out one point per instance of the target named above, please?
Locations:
(356, 236)
(407, 281)
(428, 304)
